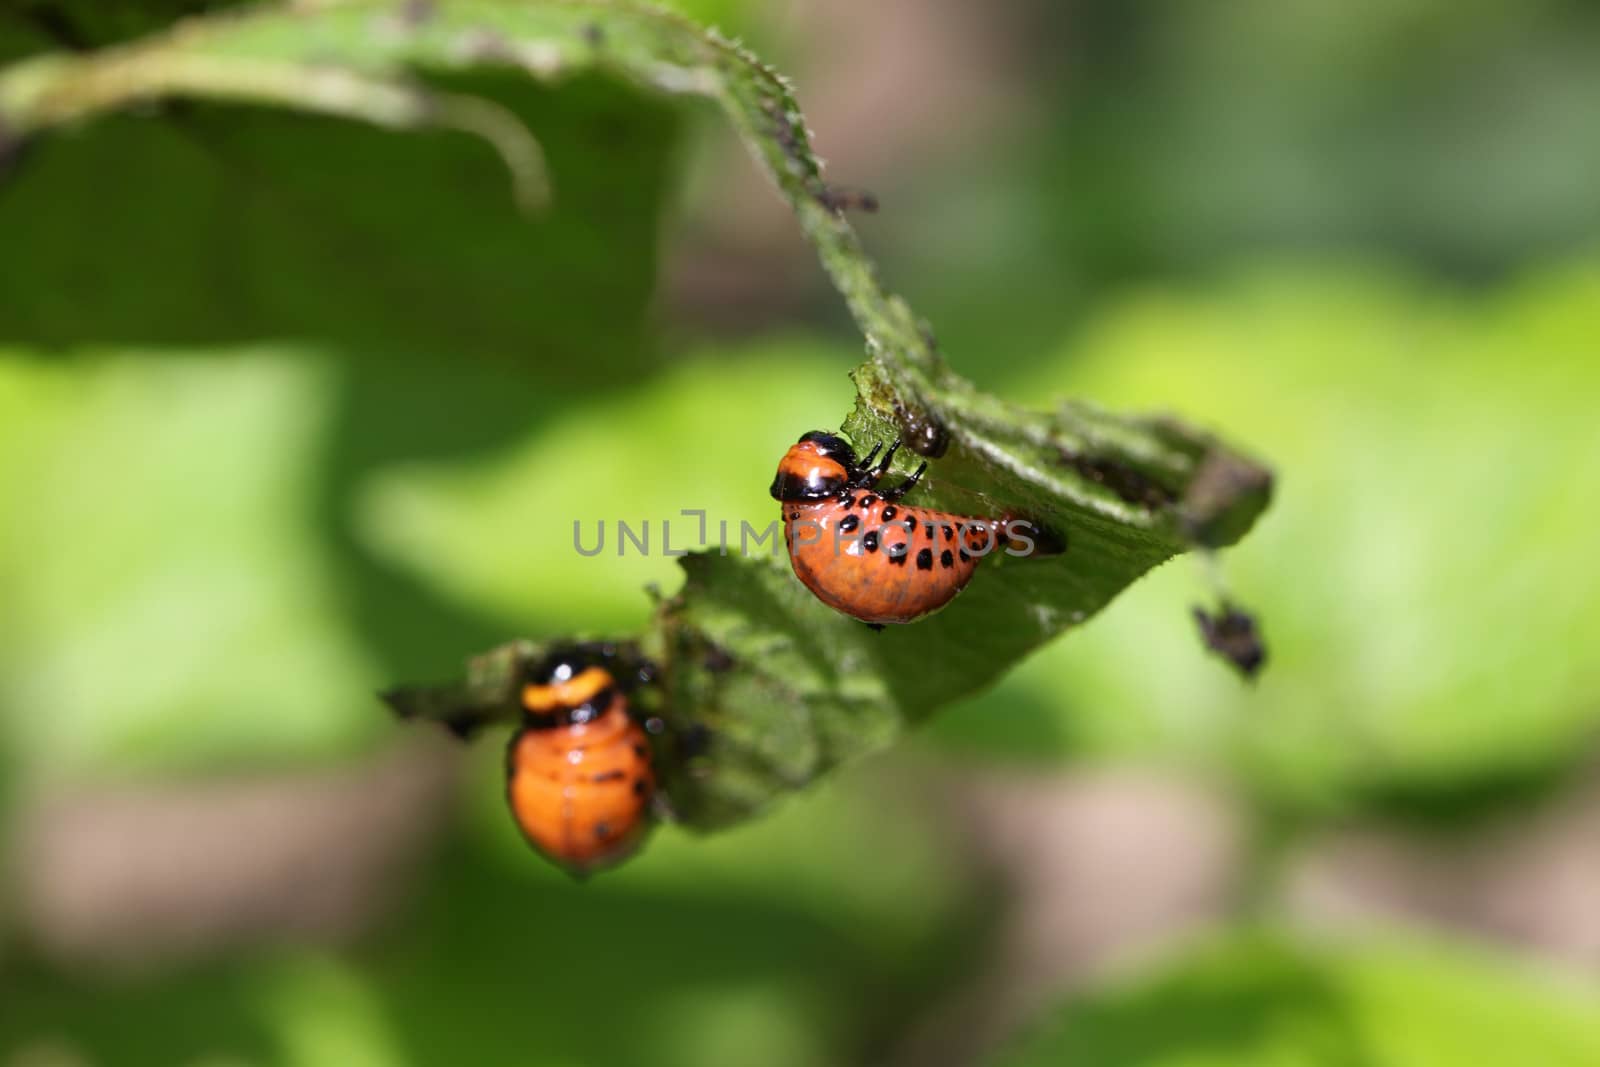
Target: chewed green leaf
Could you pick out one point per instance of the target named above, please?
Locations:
(763, 688)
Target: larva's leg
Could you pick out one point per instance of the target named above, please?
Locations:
(870, 475)
(905, 487)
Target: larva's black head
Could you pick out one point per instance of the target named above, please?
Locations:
(576, 683)
(816, 467)
(562, 664)
(622, 658)
(830, 445)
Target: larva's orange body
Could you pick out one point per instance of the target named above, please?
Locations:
(579, 777)
(862, 552)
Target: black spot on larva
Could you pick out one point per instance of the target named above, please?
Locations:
(946, 559)
(602, 830)
(609, 776)
(868, 500)
(869, 540)
(793, 515)
(849, 523)
(925, 560)
(898, 553)
(965, 558)
(949, 533)
(889, 513)
(642, 751)
(928, 529)
(847, 501)
(640, 787)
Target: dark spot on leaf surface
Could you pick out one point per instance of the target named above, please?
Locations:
(842, 198)
(1132, 486)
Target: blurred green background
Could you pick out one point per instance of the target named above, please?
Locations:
(292, 410)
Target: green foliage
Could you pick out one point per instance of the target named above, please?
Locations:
(204, 371)
(795, 687)
(292, 408)
(104, 656)
(497, 531)
(1262, 1003)
(1422, 577)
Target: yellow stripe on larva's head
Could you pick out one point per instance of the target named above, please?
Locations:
(563, 696)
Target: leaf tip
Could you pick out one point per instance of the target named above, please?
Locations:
(1224, 498)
